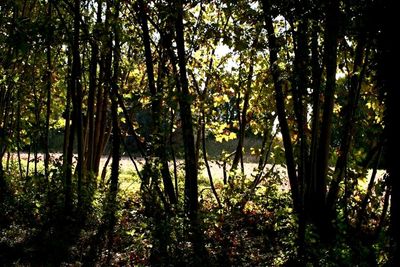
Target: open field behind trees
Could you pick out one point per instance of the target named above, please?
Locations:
(130, 178)
(128, 169)
(235, 133)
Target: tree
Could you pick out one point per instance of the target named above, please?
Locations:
(191, 187)
(386, 74)
(158, 140)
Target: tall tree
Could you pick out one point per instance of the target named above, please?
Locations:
(116, 134)
(191, 173)
(280, 104)
(94, 86)
(191, 191)
(387, 80)
(330, 61)
(48, 89)
(157, 142)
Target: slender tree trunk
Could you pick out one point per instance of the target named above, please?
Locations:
(382, 218)
(77, 100)
(173, 154)
(191, 193)
(198, 141)
(48, 91)
(102, 127)
(3, 184)
(330, 58)
(4, 190)
(131, 130)
(68, 171)
(161, 149)
(104, 171)
(191, 182)
(28, 162)
(101, 131)
(299, 88)
(280, 106)
(18, 118)
(158, 141)
(93, 87)
(116, 135)
(364, 203)
(348, 130)
(203, 142)
(316, 103)
(101, 107)
(68, 145)
(243, 120)
(37, 125)
(102, 97)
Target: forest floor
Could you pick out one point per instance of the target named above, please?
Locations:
(264, 231)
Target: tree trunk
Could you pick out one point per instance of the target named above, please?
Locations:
(243, 120)
(299, 88)
(349, 121)
(203, 143)
(158, 142)
(280, 106)
(93, 87)
(191, 193)
(116, 135)
(48, 89)
(67, 148)
(77, 99)
(387, 75)
(316, 105)
(330, 57)
(191, 186)
(362, 211)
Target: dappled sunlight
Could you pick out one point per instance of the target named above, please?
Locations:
(198, 133)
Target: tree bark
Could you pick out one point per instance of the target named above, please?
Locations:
(116, 135)
(330, 58)
(387, 75)
(364, 203)
(349, 121)
(77, 99)
(48, 89)
(243, 120)
(316, 122)
(191, 193)
(191, 179)
(67, 154)
(280, 106)
(158, 142)
(93, 87)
